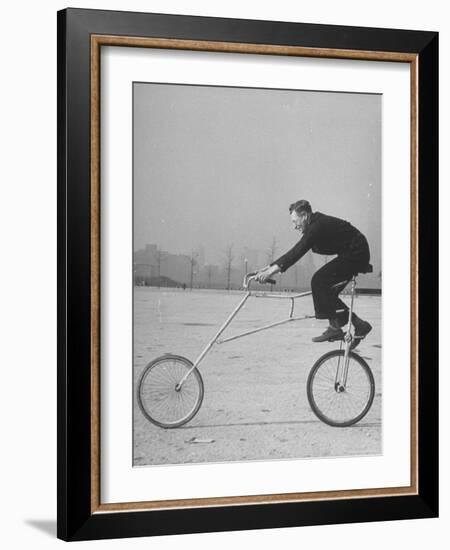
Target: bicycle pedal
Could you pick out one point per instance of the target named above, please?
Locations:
(336, 339)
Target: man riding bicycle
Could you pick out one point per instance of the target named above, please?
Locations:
(330, 236)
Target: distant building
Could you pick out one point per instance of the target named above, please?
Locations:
(147, 255)
(145, 264)
(154, 266)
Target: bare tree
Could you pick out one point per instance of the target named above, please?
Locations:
(229, 257)
(193, 263)
(160, 257)
(209, 272)
(246, 270)
(271, 251)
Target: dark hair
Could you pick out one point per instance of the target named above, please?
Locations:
(299, 207)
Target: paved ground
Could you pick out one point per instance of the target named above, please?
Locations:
(255, 405)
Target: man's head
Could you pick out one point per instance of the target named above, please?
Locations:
(300, 212)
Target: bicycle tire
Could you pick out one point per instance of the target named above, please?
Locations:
(317, 404)
(158, 398)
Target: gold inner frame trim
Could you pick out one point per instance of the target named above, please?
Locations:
(97, 41)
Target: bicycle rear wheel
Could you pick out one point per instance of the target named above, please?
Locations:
(330, 402)
(161, 400)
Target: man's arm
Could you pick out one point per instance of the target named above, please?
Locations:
(295, 253)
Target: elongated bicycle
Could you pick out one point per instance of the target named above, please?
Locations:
(340, 386)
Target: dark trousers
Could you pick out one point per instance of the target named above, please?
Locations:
(327, 304)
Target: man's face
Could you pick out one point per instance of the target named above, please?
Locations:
(299, 220)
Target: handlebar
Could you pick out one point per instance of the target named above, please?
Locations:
(252, 276)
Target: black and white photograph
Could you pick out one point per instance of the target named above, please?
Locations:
(257, 274)
(222, 309)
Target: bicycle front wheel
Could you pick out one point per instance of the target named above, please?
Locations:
(161, 399)
(331, 402)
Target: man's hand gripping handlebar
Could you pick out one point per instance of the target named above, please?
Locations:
(252, 276)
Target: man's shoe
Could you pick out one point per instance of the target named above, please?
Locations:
(362, 329)
(330, 335)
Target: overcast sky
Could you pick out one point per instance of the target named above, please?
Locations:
(215, 166)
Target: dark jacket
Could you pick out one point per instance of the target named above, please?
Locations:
(330, 236)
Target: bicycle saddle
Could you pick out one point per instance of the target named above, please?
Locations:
(339, 287)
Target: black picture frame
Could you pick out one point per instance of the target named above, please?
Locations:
(77, 517)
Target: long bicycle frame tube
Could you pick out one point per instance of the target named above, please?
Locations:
(215, 339)
(281, 296)
(264, 327)
(276, 324)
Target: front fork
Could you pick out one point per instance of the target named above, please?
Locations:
(342, 371)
